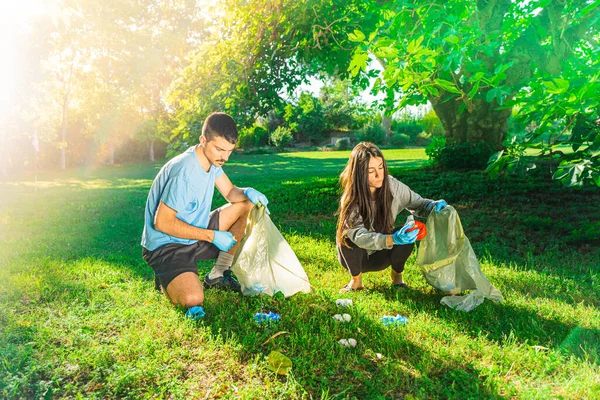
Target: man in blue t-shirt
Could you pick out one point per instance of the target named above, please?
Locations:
(179, 227)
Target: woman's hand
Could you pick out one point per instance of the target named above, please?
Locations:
(403, 237)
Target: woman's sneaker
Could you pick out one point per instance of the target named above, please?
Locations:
(226, 282)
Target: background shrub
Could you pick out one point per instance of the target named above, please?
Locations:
(458, 155)
(400, 140)
(408, 128)
(255, 136)
(281, 137)
(432, 124)
(343, 144)
(372, 132)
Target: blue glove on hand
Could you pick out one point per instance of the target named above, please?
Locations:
(257, 197)
(403, 237)
(224, 240)
(439, 205)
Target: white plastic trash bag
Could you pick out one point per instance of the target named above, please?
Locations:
(265, 262)
(448, 262)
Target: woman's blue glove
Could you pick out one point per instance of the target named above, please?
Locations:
(257, 197)
(224, 240)
(439, 205)
(403, 237)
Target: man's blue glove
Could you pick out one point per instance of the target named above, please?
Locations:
(224, 240)
(195, 313)
(439, 205)
(257, 197)
(403, 237)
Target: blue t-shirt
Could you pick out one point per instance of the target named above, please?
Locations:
(184, 186)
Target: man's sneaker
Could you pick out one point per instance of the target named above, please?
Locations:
(227, 282)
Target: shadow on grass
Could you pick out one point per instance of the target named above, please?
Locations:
(309, 335)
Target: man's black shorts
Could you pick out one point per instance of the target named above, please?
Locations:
(173, 259)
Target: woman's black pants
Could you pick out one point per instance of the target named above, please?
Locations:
(357, 260)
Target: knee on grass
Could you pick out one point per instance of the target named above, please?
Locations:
(191, 300)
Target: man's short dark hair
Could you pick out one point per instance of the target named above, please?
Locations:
(220, 124)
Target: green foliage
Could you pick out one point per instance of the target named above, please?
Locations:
(408, 128)
(274, 119)
(343, 144)
(423, 139)
(372, 132)
(434, 149)
(307, 119)
(254, 136)
(458, 155)
(341, 108)
(281, 137)
(465, 155)
(432, 124)
(474, 61)
(400, 140)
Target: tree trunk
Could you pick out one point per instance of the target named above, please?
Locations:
(386, 124)
(152, 150)
(483, 124)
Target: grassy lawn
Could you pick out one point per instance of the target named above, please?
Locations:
(79, 317)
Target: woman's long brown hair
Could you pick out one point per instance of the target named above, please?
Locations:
(356, 196)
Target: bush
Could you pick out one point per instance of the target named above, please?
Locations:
(343, 144)
(255, 136)
(281, 138)
(458, 155)
(408, 128)
(434, 149)
(306, 119)
(432, 124)
(400, 140)
(372, 132)
(424, 138)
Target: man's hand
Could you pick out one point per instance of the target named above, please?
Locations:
(224, 240)
(439, 205)
(257, 197)
(403, 237)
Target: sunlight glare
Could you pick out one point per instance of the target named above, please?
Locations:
(14, 16)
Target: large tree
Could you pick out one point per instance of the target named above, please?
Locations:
(474, 60)
(259, 53)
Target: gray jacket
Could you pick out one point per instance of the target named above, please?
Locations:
(402, 198)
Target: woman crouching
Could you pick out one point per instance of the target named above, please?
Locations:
(366, 238)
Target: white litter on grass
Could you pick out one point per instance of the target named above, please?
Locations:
(342, 317)
(348, 342)
(343, 302)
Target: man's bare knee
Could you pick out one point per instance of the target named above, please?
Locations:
(191, 300)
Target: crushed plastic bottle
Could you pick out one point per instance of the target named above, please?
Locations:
(348, 342)
(264, 317)
(418, 225)
(388, 320)
(343, 302)
(342, 317)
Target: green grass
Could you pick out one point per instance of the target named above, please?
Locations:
(79, 317)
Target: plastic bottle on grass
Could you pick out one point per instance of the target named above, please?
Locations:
(266, 317)
(389, 320)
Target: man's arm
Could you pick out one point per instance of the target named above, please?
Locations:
(232, 194)
(166, 221)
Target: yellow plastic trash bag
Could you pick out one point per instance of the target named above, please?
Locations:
(265, 262)
(448, 262)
